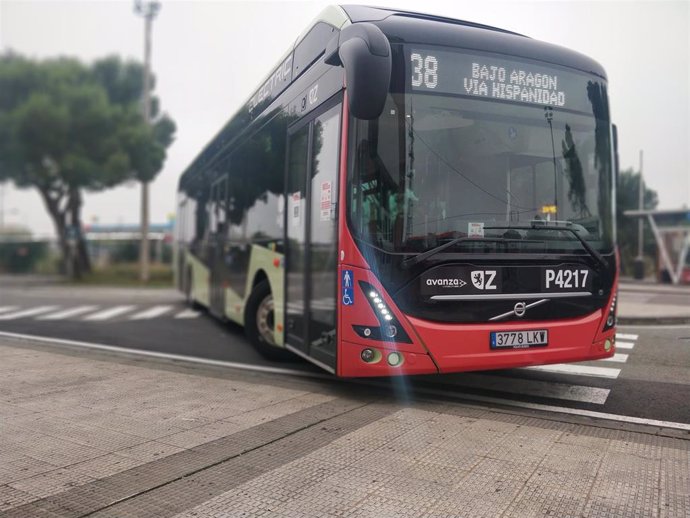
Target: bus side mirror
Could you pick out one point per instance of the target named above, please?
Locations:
(365, 53)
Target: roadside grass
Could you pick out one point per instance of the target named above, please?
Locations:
(127, 274)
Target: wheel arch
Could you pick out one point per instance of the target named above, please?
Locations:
(260, 276)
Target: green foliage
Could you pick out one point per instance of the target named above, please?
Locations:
(21, 257)
(627, 198)
(66, 127)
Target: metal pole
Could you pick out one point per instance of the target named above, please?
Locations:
(638, 264)
(148, 10)
(2, 205)
(640, 206)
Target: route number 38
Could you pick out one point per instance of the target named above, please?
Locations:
(424, 70)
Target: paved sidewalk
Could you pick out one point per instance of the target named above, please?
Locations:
(650, 303)
(84, 433)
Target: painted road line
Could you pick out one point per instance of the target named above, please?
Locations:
(294, 372)
(626, 336)
(165, 356)
(624, 345)
(188, 313)
(153, 312)
(27, 312)
(618, 358)
(580, 370)
(109, 313)
(550, 408)
(537, 388)
(4, 309)
(67, 313)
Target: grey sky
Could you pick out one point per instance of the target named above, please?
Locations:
(209, 57)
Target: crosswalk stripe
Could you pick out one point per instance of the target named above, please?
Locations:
(153, 312)
(624, 345)
(187, 313)
(27, 312)
(538, 388)
(109, 313)
(71, 312)
(618, 358)
(4, 309)
(582, 370)
(625, 336)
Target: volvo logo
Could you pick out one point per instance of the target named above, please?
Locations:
(520, 309)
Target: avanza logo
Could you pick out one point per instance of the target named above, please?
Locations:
(446, 283)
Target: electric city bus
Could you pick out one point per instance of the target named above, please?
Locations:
(410, 194)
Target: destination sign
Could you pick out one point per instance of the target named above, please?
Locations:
(497, 77)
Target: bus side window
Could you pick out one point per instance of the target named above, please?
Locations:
(311, 47)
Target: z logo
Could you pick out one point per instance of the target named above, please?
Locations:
(484, 279)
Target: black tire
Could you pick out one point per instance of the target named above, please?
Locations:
(257, 317)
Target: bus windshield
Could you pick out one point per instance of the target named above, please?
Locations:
(476, 154)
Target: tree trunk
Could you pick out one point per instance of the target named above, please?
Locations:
(67, 221)
(52, 204)
(80, 256)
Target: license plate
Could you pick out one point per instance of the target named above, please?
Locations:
(519, 339)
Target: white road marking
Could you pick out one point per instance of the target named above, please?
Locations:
(165, 356)
(153, 312)
(109, 313)
(582, 370)
(67, 313)
(27, 312)
(295, 372)
(188, 313)
(533, 388)
(626, 336)
(4, 309)
(556, 409)
(618, 358)
(624, 345)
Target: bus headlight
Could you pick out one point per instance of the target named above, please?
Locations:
(389, 329)
(611, 317)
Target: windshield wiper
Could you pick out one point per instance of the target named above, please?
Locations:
(535, 225)
(408, 263)
(566, 226)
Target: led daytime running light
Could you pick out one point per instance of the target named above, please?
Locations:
(379, 305)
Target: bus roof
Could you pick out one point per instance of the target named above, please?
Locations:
(411, 27)
(363, 13)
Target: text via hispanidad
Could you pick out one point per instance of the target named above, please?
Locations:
(513, 84)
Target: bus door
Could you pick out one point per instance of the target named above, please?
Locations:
(219, 244)
(312, 244)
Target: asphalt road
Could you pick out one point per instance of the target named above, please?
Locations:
(650, 379)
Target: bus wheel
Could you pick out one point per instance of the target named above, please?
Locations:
(259, 322)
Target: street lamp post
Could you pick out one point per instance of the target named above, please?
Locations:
(149, 10)
(638, 265)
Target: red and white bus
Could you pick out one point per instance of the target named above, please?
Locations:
(409, 194)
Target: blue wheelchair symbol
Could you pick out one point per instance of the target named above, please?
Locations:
(348, 298)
